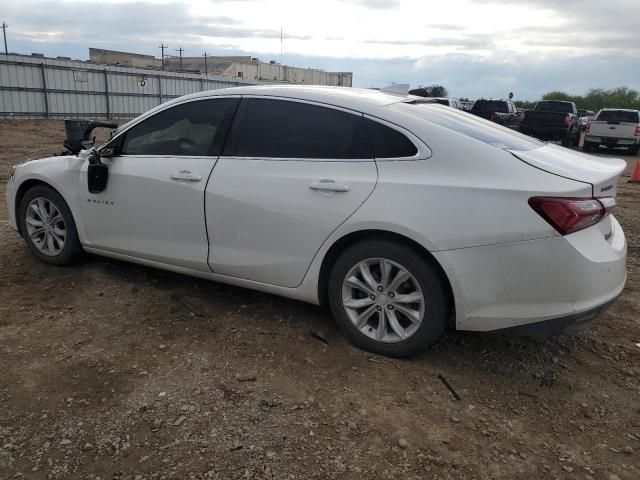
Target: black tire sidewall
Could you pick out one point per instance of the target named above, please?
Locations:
(428, 276)
(72, 248)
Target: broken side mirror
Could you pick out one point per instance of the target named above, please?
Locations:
(97, 173)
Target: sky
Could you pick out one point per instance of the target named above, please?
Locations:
(475, 48)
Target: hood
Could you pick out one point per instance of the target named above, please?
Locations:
(601, 172)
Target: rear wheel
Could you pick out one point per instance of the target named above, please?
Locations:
(47, 226)
(387, 298)
(586, 147)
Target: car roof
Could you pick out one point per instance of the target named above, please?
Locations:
(620, 110)
(340, 96)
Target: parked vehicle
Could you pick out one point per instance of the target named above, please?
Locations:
(552, 120)
(400, 215)
(584, 117)
(614, 127)
(502, 112)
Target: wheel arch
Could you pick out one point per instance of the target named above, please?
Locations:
(24, 188)
(352, 238)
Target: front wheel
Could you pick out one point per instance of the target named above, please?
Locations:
(388, 298)
(47, 225)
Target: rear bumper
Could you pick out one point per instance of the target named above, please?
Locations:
(556, 326)
(612, 141)
(513, 284)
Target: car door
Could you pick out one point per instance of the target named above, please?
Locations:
(291, 173)
(153, 206)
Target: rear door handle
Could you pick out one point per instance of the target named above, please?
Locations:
(329, 186)
(186, 175)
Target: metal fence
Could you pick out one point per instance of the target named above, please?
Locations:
(35, 87)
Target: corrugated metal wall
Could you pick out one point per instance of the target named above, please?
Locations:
(32, 87)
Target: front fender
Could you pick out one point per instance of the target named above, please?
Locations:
(60, 173)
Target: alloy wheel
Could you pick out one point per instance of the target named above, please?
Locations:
(383, 300)
(45, 226)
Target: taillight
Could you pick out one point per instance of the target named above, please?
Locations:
(522, 118)
(588, 127)
(637, 134)
(493, 117)
(567, 121)
(568, 215)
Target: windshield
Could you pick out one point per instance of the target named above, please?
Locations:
(564, 107)
(490, 106)
(618, 116)
(470, 125)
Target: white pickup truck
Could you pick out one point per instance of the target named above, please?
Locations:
(613, 127)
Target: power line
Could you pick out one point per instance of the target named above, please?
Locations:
(180, 50)
(162, 47)
(4, 33)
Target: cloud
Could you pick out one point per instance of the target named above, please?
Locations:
(474, 47)
(375, 4)
(468, 42)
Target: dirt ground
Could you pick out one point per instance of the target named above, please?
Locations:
(110, 370)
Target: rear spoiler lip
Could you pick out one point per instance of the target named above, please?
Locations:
(615, 177)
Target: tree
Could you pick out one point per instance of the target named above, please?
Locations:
(597, 98)
(430, 91)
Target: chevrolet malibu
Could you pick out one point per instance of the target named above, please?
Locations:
(402, 215)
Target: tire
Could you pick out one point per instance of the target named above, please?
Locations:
(430, 316)
(567, 140)
(57, 252)
(586, 147)
(634, 150)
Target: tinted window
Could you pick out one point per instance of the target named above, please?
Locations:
(490, 106)
(287, 129)
(389, 143)
(563, 107)
(469, 125)
(189, 129)
(618, 116)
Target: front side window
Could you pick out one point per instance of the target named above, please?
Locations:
(287, 129)
(189, 129)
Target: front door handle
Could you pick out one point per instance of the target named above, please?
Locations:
(186, 175)
(329, 186)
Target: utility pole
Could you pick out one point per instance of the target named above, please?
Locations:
(162, 47)
(180, 50)
(206, 71)
(4, 33)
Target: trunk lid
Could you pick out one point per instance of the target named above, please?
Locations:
(601, 172)
(612, 129)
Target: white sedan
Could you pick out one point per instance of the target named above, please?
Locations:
(402, 215)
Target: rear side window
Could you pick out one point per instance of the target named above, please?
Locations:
(189, 129)
(618, 116)
(287, 129)
(469, 125)
(389, 143)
